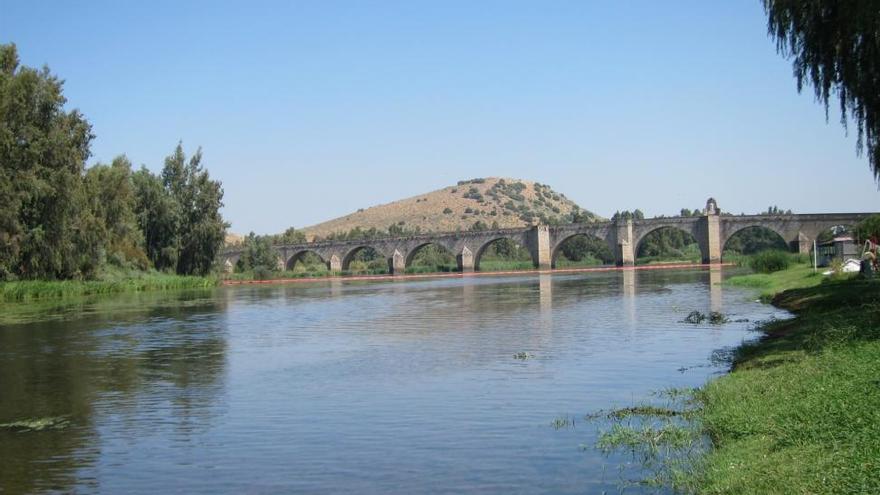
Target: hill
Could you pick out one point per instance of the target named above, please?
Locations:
(506, 203)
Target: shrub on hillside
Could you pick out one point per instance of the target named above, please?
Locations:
(769, 261)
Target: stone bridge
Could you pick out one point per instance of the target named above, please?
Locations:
(711, 231)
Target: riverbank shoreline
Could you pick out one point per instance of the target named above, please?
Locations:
(412, 276)
(26, 291)
(800, 410)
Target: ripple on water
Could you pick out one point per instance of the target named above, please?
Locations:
(360, 387)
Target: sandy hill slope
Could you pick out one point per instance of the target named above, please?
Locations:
(507, 202)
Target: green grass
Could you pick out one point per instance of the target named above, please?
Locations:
(658, 260)
(278, 274)
(432, 269)
(587, 261)
(505, 265)
(795, 276)
(112, 282)
(770, 261)
(800, 413)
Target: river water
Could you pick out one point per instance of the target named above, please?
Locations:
(352, 387)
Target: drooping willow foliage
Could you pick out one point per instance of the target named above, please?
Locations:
(835, 47)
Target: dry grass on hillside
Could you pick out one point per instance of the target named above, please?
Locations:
(507, 202)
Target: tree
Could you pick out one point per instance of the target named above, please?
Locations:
(158, 218)
(110, 192)
(258, 254)
(201, 229)
(59, 220)
(45, 228)
(868, 229)
(580, 246)
(290, 236)
(835, 47)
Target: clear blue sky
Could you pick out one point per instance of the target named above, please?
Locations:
(310, 110)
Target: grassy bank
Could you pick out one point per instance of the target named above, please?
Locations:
(769, 284)
(108, 283)
(800, 412)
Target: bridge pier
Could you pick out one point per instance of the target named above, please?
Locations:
(803, 243)
(542, 255)
(711, 235)
(465, 260)
(397, 263)
(625, 251)
(334, 264)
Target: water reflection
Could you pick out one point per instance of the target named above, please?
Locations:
(715, 297)
(88, 370)
(335, 386)
(628, 290)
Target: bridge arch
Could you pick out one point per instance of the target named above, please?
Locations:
(742, 229)
(520, 249)
(606, 258)
(300, 257)
(230, 262)
(443, 256)
(689, 229)
(353, 252)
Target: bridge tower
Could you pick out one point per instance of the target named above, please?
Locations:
(710, 232)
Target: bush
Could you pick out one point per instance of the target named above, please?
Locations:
(262, 273)
(770, 261)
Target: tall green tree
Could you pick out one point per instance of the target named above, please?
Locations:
(158, 216)
(201, 229)
(258, 253)
(110, 192)
(835, 47)
(44, 222)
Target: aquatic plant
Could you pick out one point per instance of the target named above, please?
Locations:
(716, 318)
(695, 317)
(667, 440)
(28, 290)
(562, 422)
(38, 424)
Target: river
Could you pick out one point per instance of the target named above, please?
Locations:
(352, 387)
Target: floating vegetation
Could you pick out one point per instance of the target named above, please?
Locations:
(649, 439)
(523, 355)
(677, 393)
(644, 411)
(714, 317)
(666, 439)
(695, 318)
(39, 424)
(562, 422)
